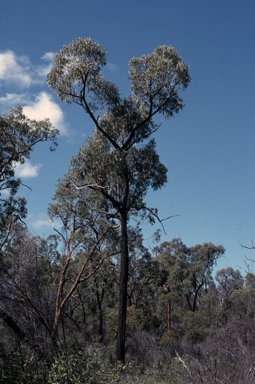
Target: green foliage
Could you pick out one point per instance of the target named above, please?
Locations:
(78, 66)
(168, 337)
(22, 367)
(195, 326)
(112, 180)
(18, 137)
(187, 272)
(91, 366)
(134, 317)
(156, 81)
(215, 341)
(229, 280)
(113, 164)
(157, 78)
(60, 296)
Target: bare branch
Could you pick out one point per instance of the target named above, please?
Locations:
(85, 185)
(156, 216)
(183, 363)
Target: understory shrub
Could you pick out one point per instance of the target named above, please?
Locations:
(91, 366)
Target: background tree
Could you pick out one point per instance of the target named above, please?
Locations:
(121, 179)
(172, 258)
(121, 124)
(26, 296)
(186, 279)
(203, 258)
(228, 280)
(18, 137)
(88, 240)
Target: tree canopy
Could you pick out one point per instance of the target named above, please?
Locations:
(156, 81)
(19, 136)
(116, 162)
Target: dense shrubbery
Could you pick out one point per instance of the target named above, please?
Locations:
(65, 300)
(175, 331)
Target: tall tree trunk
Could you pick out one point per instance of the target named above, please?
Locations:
(100, 314)
(169, 327)
(121, 335)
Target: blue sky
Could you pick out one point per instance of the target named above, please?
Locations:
(208, 147)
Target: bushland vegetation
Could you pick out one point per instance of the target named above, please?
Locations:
(183, 325)
(91, 303)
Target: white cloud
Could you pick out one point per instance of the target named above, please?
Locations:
(5, 192)
(48, 56)
(26, 170)
(16, 70)
(41, 223)
(43, 70)
(13, 99)
(112, 67)
(43, 107)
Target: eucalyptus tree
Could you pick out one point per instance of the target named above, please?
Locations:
(18, 137)
(25, 295)
(186, 277)
(119, 181)
(228, 281)
(203, 258)
(88, 241)
(116, 162)
(173, 264)
(143, 271)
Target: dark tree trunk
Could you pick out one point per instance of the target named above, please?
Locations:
(169, 327)
(100, 314)
(14, 326)
(121, 335)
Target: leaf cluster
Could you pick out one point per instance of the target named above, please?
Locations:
(18, 137)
